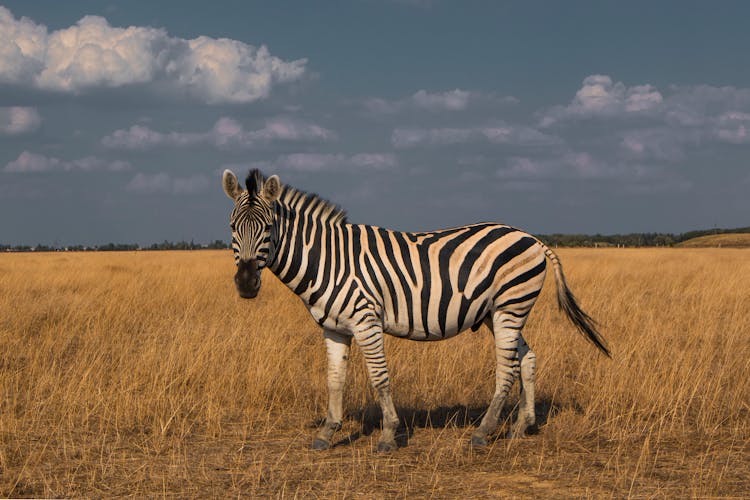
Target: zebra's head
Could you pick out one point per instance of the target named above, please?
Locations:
(252, 227)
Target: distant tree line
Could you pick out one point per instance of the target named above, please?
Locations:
(553, 240)
(117, 247)
(631, 239)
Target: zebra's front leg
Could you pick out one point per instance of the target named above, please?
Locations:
(337, 347)
(507, 370)
(371, 343)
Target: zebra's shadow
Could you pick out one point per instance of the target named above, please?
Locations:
(457, 416)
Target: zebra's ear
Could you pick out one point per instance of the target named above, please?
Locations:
(231, 185)
(272, 188)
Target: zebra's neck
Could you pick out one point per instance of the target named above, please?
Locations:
(304, 225)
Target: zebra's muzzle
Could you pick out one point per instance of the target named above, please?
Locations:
(247, 278)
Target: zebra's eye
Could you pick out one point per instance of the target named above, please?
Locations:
(231, 225)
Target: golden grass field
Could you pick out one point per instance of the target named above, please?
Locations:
(145, 374)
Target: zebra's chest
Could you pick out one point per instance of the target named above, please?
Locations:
(332, 319)
(321, 317)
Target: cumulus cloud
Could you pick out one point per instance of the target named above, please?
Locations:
(600, 96)
(163, 183)
(678, 106)
(659, 143)
(329, 162)
(523, 168)
(693, 116)
(494, 134)
(692, 106)
(16, 120)
(669, 121)
(225, 133)
(28, 162)
(523, 173)
(720, 114)
(93, 54)
(575, 165)
(451, 100)
(733, 127)
(454, 100)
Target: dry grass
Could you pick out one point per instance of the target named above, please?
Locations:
(145, 374)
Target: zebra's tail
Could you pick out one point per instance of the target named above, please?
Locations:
(567, 302)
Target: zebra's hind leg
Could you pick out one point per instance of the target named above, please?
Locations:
(507, 339)
(337, 347)
(526, 413)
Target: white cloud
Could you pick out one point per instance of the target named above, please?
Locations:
(571, 165)
(375, 161)
(139, 137)
(693, 106)
(494, 134)
(28, 162)
(733, 127)
(678, 106)
(668, 124)
(163, 183)
(380, 106)
(410, 137)
(522, 168)
(326, 162)
(454, 100)
(705, 113)
(225, 133)
(524, 174)
(451, 100)
(642, 98)
(18, 120)
(660, 143)
(600, 96)
(93, 54)
(584, 166)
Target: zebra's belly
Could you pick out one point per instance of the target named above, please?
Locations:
(421, 335)
(395, 328)
(435, 331)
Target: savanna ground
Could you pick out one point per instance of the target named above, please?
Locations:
(145, 374)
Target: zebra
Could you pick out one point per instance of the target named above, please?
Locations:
(359, 282)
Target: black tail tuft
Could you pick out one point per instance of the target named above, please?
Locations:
(573, 311)
(579, 318)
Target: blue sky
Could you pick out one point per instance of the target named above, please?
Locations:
(117, 118)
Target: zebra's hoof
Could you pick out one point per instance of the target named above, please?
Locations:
(320, 444)
(479, 441)
(387, 446)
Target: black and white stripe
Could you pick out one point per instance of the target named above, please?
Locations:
(361, 281)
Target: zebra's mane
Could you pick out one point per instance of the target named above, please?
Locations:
(300, 201)
(308, 203)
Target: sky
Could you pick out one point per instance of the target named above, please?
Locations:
(117, 118)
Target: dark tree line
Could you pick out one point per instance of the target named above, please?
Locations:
(117, 247)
